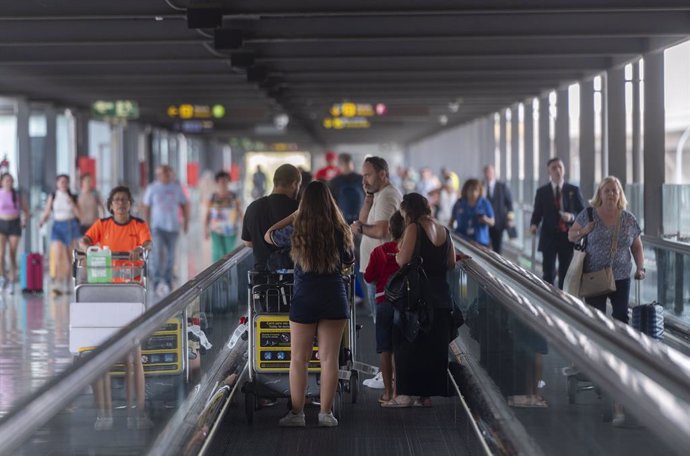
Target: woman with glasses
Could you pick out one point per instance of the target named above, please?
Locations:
(121, 233)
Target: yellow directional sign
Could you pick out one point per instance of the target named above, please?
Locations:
(189, 111)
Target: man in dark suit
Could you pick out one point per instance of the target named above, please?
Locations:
(501, 200)
(555, 206)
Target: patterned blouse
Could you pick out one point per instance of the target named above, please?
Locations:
(599, 244)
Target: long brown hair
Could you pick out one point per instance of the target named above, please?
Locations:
(317, 225)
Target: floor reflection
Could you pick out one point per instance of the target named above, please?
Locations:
(33, 343)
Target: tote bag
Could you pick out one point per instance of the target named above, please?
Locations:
(573, 278)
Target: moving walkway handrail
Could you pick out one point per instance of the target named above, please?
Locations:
(29, 414)
(675, 247)
(647, 377)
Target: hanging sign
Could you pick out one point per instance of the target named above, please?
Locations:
(192, 111)
(118, 109)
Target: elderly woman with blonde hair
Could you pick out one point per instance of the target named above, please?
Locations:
(613, 239)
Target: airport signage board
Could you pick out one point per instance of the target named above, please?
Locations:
(115, 109)
(349, 109)
(194, 126)
(193, 111)
(349, 115)
(344, 123)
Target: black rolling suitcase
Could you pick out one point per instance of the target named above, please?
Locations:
(647, 318)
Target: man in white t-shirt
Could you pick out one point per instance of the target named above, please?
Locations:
(381, 201)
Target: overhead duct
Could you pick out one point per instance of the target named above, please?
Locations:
(204, 18)
(227, 39)
(242, 59)
(257, 74)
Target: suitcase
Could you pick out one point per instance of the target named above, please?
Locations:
(647, 318)
(31, 272)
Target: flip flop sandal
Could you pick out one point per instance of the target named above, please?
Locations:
(382, 400)
(398, 402)
(426, 403)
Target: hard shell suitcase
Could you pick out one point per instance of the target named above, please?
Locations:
(31, 272)
(647, 318)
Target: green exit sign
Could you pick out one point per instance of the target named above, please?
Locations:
(118, 109)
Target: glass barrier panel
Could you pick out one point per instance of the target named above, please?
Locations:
(129, 404)
(554, 400)
(668, 281)
(676, 212)
(635, 196)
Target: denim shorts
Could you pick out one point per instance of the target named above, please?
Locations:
(65, 231)
(384, 327)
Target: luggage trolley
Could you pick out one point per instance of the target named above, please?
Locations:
(269, 344)
(107, 297)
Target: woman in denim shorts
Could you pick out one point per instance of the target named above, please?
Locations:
(65, 231)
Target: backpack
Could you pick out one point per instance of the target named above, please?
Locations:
(350, 198)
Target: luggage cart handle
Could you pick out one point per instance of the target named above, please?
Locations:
(76, 254)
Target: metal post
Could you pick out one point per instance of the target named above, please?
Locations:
(490, 139)
(587, 155)
(636, 125)
(528, 138)
(544, 138)
(615, 115)
(515, 151)
(24, 174)
(563, 129)
(654, 142)
(503, 146)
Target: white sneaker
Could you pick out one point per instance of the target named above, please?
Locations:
(327, 420)
(293, 419)
(374, 383)
(103, 423)
(162, 290)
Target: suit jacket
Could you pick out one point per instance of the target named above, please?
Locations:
(502, 202)
(545, 211)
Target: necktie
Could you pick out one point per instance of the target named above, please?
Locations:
(488, 191)
(562, 227)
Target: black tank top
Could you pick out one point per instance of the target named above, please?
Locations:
(435, 258)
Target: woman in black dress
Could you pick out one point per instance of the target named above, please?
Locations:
(421, 363)
(321, 244)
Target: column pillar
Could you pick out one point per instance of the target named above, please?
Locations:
(24, 173)
(654, 142)
(587, 155)
(615, 115)
(544, 139)
(503, 146)
(528, 127)
(515, 150)
(636, 125)
(563, 129)
(46, 171)
(490, 139)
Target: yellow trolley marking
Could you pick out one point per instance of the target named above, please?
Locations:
(272, 345)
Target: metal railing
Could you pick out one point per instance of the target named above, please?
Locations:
(30, 414)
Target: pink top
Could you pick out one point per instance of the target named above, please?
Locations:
(8, 207)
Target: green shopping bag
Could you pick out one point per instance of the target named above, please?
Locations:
(99, 264)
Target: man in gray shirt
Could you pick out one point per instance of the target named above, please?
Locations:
(162, 201)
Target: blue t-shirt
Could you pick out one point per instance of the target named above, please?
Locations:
(467, 222)
(165, 200)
